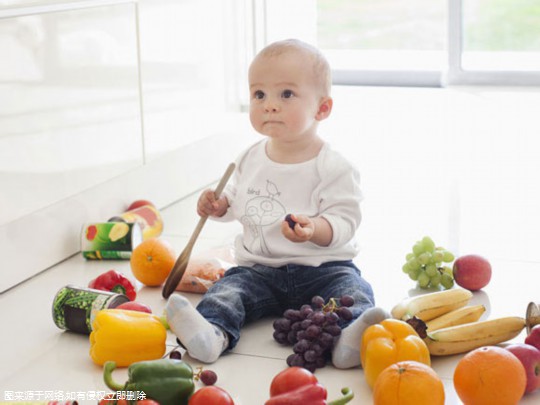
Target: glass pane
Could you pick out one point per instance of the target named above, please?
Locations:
(182, 63)
(382, 24)
(501, 34)
(415, 28)
(69, 104)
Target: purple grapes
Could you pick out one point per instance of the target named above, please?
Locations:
(345, 313)
(290, 221)
(310, 356)
(280, 337)
(208, 377)
(326, 340)
(175, 354)
(331, 318)
(301, 346)
(292, 315)
(318, 318)
(282, 325)
(346, 301)
(334, 330)
(312, 330)
(317, 302)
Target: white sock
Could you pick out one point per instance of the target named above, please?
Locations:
(346, 352)
(202, 340)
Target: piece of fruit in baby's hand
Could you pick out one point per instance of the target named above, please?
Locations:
(290, 221)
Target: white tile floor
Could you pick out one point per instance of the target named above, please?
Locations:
(408, 194)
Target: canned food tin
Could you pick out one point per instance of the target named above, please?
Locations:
(110, 240)
(149, 219)
(74, 308)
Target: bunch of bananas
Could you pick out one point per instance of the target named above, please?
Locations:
(452, 325)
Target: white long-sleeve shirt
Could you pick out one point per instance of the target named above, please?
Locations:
(263, 192)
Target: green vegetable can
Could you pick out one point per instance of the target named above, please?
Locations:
(74, 308)
(110, 240)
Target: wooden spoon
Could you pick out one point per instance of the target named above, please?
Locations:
(180, 266)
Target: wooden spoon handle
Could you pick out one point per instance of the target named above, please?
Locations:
(217, 193)
(180, 266)
(224, 180)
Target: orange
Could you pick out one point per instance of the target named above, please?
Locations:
(152, 261)
(490, 375)
(408, 383)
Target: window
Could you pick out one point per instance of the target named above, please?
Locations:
(494, 41)
(418, 42)
(390, 41)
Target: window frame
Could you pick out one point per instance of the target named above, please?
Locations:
(454, 74)
(459, 76)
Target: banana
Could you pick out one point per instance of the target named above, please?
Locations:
(469, 313)
(470, 336)
(430, 306)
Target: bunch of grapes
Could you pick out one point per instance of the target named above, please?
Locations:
(425, 265)
(312, 330)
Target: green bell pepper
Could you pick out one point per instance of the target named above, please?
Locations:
(167, 381)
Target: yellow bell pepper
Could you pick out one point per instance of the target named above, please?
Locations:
(388, 342)
(126, 337)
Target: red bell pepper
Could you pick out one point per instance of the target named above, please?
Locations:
(298, 386)
(115, 282)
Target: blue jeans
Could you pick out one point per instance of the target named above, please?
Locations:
(246, 294)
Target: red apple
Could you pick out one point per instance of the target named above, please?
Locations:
(135, 306)
(472, 272)
(139, 203)
(530, 358)
(533, 338)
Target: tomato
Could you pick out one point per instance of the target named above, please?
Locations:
(147, 402)
(210, 395)
(290, 379)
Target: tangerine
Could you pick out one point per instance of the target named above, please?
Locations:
(490, 375)
(408, 383)
(152, 261)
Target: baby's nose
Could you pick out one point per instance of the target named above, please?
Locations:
(271, 106)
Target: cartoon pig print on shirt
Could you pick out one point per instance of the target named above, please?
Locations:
(262, 211)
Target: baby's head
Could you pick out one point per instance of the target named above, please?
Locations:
(289, 84)
(312, 60)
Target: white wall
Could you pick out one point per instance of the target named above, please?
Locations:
(103, 102)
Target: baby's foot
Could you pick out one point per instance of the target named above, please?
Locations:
(202, 340)
(346, 352)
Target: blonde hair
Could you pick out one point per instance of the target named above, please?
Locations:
(320, 65)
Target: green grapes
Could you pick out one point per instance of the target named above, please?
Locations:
(428, 265)
(423, 280)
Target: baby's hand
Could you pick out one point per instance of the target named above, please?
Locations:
(297, 228)
(209, 206)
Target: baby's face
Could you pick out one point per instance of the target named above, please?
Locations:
(284, 96)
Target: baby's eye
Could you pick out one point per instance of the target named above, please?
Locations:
(287, 94)
(259, 95)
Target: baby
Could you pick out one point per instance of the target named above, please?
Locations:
(283, 264)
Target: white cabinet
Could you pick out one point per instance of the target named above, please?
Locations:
(103, 102)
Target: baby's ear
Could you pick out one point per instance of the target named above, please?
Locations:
(325, 108)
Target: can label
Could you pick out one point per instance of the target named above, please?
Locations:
(74, 308)
(110, 240)
(148, 218)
